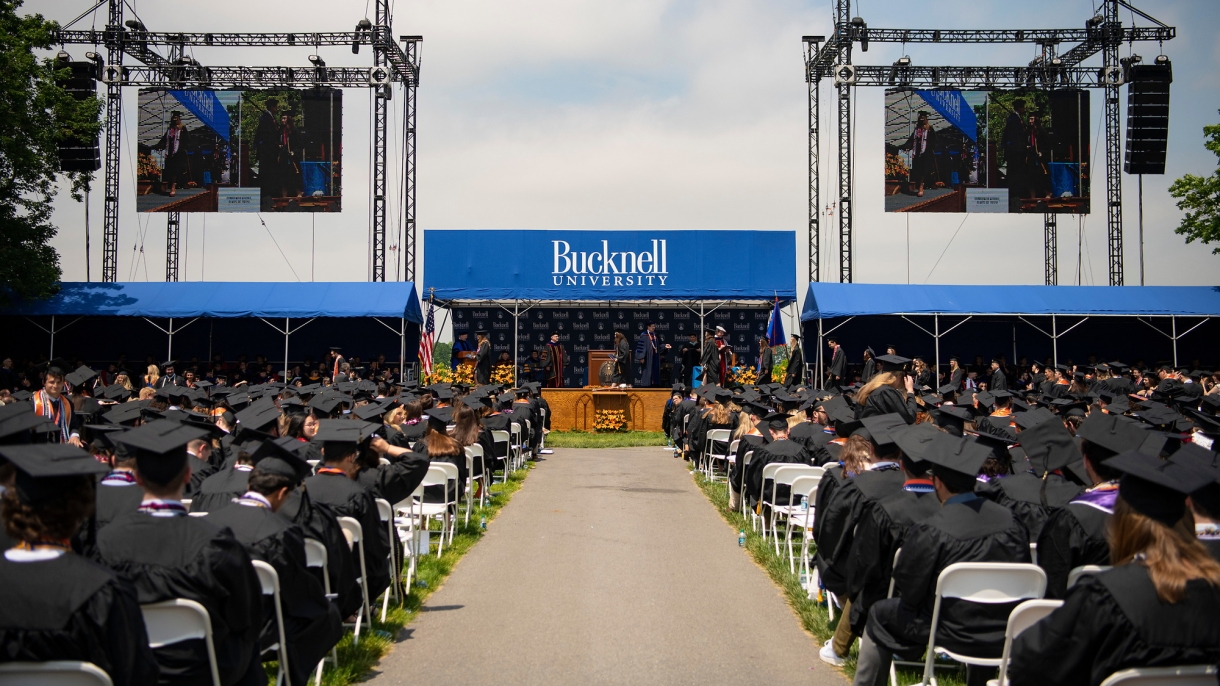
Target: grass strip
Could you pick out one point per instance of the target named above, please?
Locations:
(356, 661)
(617, 439)
(813, 616)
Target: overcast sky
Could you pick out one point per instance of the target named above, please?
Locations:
(592, 114)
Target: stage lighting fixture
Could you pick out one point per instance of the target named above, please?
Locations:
(135, 25)
(98, 63)
(317, 61)
(362, 25)
(63, 56)
(903, 61)
(1162, 59)
(1095, 21)
(1056, 62)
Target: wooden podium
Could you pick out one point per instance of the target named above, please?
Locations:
(596, 359)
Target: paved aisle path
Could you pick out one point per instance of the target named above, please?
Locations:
(608, 567)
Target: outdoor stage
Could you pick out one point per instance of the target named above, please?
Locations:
(573, 409)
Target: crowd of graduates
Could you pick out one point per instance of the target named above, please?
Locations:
(1083, 466)
(112, 501)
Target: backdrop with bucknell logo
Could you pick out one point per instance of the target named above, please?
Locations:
(582, 329)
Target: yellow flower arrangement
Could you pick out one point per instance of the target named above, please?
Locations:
(440, 374)
(609, 420)
(464, 374)
(502, 374)
(778, 371)
(743, 376)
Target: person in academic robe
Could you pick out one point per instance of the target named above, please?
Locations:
(718, 416)
(889, 391)
(724, 354)
(288, 157)
(880, 533)
(622, 359)
(680, 422)
(967, 528)
(999, 382)
(1156, 607)
(175, 143)
(836, 370)
(482, 366)
(710, 360)
(870, 365)
(218, 490)
(320, 523)
(311, 622)
(169, 377)
(1034, 495)
(50, 402)
(923, 144)
(690, 354)
(648, 352)
(780, 449)
(554, 359)
(766, 360)
(335, 484)
(957, 375)
(167, 555)
(337, 362)
(924, 378)
(756, 435)
(461, 344)
(117, 494)
(795, 374)
(705, 399)
(55, 604)
(1075, 535)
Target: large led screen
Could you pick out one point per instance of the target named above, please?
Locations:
(240, 150)
(987, 151)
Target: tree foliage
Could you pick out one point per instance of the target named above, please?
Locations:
(35, 115)
(1199, 197)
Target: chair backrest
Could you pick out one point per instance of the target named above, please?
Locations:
(500, 437)
(718, 434)
(450, 469)
(268, 578)
(53, 673)
(1021, 618)
(770, 469)
(436, 475)
(351, 530)
(734, 445)
(1186, 675)
(383, 462)
(173, 621)
(474, 449)
(806, 485)
(747, 458)
(315, 554)
(198, 514)
(991, 582)
(384, 510)
(788, 472)
(1078, 573)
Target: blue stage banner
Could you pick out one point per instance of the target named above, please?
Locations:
(953, 107)
(473, 264)
(205, 105)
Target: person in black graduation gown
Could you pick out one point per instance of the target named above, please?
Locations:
(1156, 608)
(689, 354)
(117, 494)
(680, 422)
(757, 436)
(718, 416)
(710, 360)
(1034, 495)
(335, 485)
(320, 523)
(218, 490)
(55, 604)
(966, 529)
(957, 375)
(482, 366)
(889, 391)
(795, 374)
(807, 432)
(999, 382)
(870, 365)
(392, 482)
(311, 622)
(836, 369)
(780, 449)
(1204, 503)
(766, 360)
(167, 555)
(1075, 535)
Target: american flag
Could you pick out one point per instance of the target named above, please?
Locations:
(426, 340)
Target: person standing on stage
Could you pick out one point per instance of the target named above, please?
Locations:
(168, 377)
(838, 363)
(482, 365)
(622, 358)
(710, 359)
(870, 365)
(795, 375)
(648, 354)
(174, 143)
(690, 359)
(766, 360)
(554, 359)
(337, 363)
(49, 402)
(461, 344)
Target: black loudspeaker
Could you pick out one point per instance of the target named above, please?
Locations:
(1147, 117)
(79, 155)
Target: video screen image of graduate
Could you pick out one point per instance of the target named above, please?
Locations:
(987, 151)
(206, 150)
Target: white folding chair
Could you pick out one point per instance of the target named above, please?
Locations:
(1033, 552)
(355, 542)
(515, 448)
(529, 434)
(386, 513)
(186, 502)
(986, 583)
(768, 474)
(198, 514)
(439, 474)
(732, 457)
(315, 556)
(803, 486)
(502, 438)
(269, 579)
(407, 523)
(784, 476)
(177, 620)
(711, 455)
(1186, 675)
(53, 673)
(1082, 571)
(475, 452)
(745, 464)
(1023, 617)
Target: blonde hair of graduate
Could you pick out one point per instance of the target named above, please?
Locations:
(893, 379)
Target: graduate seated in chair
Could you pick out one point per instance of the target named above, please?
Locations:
(168, 554)
(311, 622)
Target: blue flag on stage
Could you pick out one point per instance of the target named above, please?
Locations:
(775, 327)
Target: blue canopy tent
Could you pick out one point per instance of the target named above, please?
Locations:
(195, 300)
(844, 300)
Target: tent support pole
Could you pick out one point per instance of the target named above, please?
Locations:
(516, 332)
(1014, 343)
(170, 354)
(287, 329)
(52, 356)
(1054, 340)
(821, 379)
(1173, 321)
(402, 350)
(936, 329)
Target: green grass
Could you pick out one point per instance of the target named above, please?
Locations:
(812, 615)
(620, 439)
(356, 661)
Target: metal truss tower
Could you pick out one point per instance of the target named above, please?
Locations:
(114, 128)
(815, 215)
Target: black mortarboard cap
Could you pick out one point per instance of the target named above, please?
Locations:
(280, 456)
(168, 363)
(369, 412)
(80, 376)
(957, 453)
(1154, 487)
(756, 409)
(123, 413)
(116, 392)
(997, 428)
(1159, 416)
(261, 414)
(1033, 417)
(440, 417)
(915, 440)
(17, 420)
(777, 420)
(102, 434)
(985, 398)
(46, 469)
(328, 402)
(838, 411)
(505, 398)
(1049, 446)
(160, 447)
(724, 396)
(477, 401)
(880, 426)
(1119, 434)
(952, 416)
(443, 393)
(893, 363)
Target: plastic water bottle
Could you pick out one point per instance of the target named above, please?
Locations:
(804, 580)
(804, 503)
(483, 522)
(741, 538)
